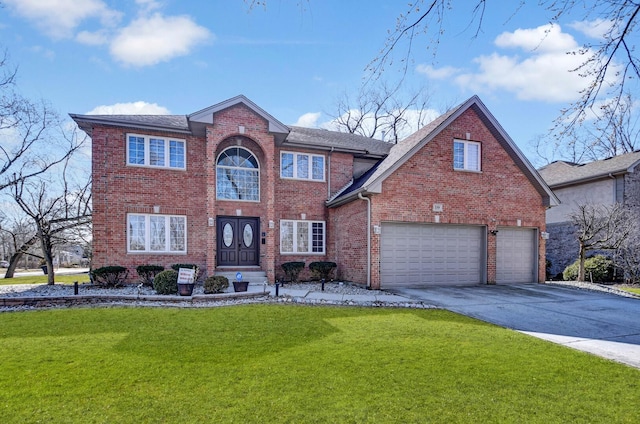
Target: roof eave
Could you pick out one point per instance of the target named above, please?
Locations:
(86, 123)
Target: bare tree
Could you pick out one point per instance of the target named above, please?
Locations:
(53, 209)
(613, 58)
(386, 113)
(600, 227)
(28, 145)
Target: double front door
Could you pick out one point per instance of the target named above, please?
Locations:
(238, 241)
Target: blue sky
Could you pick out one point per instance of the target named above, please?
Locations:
(292, 58)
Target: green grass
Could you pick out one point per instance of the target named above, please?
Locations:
(42, 279)
(635, 290)
(296, 364)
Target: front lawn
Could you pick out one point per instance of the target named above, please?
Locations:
(283, 363)
(634, 289)
(42, 279)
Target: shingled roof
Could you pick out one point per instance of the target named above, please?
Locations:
(405, 149)
(195, 123)
(561, 173)
(319, 138)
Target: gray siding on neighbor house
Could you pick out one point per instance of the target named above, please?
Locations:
(632, 191)
(601, 191)
(561, 248)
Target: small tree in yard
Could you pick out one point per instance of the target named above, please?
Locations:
(600, 227)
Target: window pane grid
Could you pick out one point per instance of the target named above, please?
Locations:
(466, 155)
(301, 166)
(157, 152)
(136, 150)
(237, 175)
(150, 233)
(302, 237)
(176, 154)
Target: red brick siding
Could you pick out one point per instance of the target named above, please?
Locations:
(226, 132)
(499, 195)
(349, 240)
(119, 189)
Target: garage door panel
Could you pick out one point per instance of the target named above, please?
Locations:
(422, 254)
(516, 255)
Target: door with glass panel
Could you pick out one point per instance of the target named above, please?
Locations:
(238, 241)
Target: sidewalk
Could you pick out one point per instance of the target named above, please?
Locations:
(318, 296)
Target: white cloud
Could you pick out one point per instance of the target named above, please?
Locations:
(445, 72)
(308, 120)
(132, 108)
(60, 18)
(151, 40)
(96, 38)
(545, 38)
(594, 29)
(544, 74)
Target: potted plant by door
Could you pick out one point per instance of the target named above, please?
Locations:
(239, 285)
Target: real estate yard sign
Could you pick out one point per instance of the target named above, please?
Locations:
(186, 275)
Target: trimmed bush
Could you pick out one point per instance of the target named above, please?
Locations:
(176, 267)
(599, 267)
(109, 276)
(215, 284)
(322, 269)
(292, 270)
(166, 282)
(147, 273)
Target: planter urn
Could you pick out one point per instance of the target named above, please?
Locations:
(240, 286)
(185, 289)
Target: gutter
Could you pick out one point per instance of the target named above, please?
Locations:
(360, 196)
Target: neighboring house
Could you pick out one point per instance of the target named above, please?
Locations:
(608, 181)
(231, 188)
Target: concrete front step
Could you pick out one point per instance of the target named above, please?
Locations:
(253, 277)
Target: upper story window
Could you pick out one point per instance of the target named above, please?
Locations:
(301, 166)
(237, 175)
(466, 155)
(159, 152)
(156, 233)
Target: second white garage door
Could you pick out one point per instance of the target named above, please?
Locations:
(516, 256)
(423, 254)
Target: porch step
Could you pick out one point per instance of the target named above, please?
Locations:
(253, 277)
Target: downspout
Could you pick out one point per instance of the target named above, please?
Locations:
(329, 173)
(360, 196)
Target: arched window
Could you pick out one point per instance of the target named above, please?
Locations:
(237, 175)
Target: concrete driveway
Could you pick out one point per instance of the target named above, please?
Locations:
(600, 323)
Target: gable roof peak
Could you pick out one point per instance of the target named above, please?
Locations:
(205, 116)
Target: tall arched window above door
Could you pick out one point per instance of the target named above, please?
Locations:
(237, 175)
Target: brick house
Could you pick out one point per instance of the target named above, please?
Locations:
(231, 188)
(608, 181)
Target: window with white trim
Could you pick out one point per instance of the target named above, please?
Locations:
(466, 155)
(237, 175)
(156, 233)
(301, 166)
(302, 237)
(157, 152)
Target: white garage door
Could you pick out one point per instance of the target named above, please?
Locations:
(516, 256)
(423, 254)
